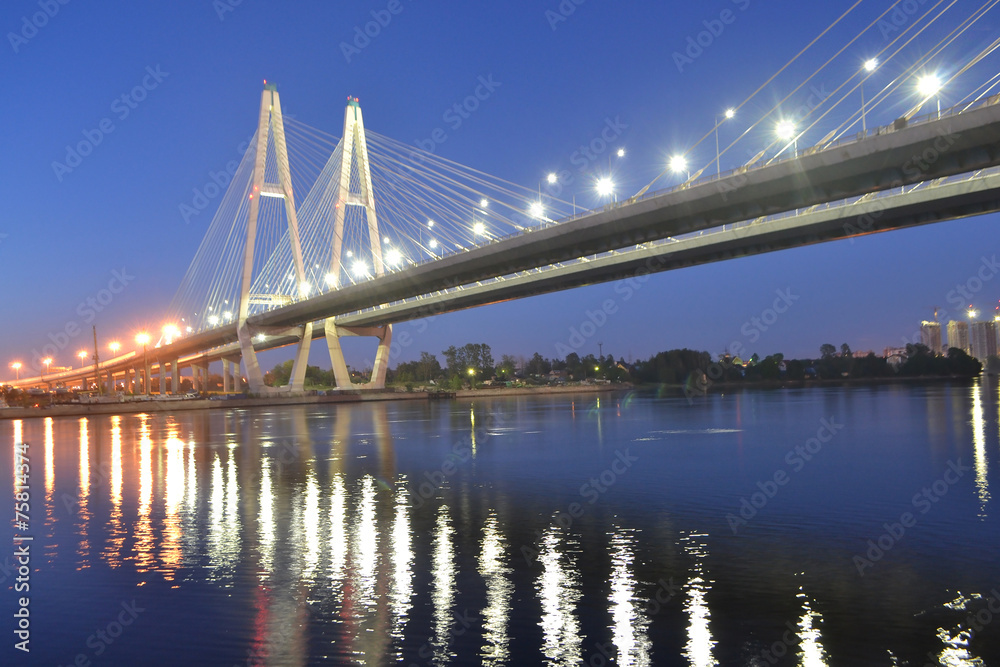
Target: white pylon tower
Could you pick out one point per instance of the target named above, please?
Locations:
(355, 153)
(271, 122)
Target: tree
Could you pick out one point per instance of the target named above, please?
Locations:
(538, 365)
(826, 350)
(507, 367)
(476, 356)
(845, 350)
(281, 374)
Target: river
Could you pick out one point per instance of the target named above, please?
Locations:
(808, 526)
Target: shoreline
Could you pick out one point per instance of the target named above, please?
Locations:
(350, 396)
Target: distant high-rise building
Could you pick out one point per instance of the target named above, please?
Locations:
(958, 335)
(983, 339)
(930, 334)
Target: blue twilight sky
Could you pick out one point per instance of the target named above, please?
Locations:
(564, 70)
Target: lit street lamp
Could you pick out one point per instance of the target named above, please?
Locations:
(45, 362)
(928, 85)
(679, 164)
(114, 346)
(785, 129)
(718, 121)
(605, 187)
(17, 370)
(868, 67)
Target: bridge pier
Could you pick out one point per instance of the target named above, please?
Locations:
(175, 377)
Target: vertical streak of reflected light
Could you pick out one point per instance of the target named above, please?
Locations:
(310, 525)
(265, 521)
(979, 444)
(496, 614)
(559, 591)
(810, 644)
(630, 625)
(189, 528)
(338, 532)
(116, 529)
(217, 499)
(83, 510)
(50, 467)
(402, 566)
(170, 551)
(472, 427)
(443, 586)
(144, 558)
(366, 545)
(700, 644)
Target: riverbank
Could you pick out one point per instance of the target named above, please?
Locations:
(351, 396)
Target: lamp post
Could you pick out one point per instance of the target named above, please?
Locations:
(17, 370)
(718, 121)
(867, 68)
(45, 362)
(143, 339)
(82, 354)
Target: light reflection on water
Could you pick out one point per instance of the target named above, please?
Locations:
(305, 523)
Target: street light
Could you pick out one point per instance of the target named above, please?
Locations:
(536, 209)
(605, 187)
(930, 84)
(17, 370)
(867, 67)
(143, 339)
(678, 164)
(45, 362)
(478, 228)
(728, 115)
(785, 129)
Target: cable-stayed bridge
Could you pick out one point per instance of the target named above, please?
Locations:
(325, 237)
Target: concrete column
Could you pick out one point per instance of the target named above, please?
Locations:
(111, 382)
(225, 376)
(175, 377)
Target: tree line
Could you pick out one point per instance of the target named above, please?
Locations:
(473, 364)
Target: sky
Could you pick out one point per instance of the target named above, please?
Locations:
(101, 240)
